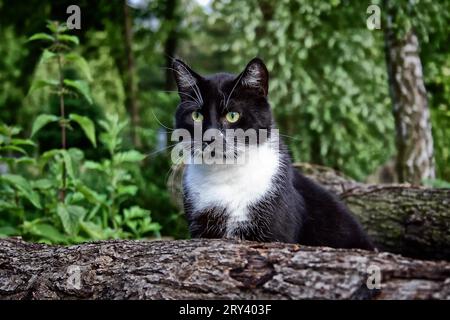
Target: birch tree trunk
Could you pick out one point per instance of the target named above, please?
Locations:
(414, 141)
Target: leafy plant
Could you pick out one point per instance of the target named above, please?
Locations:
(59, 196)
(95, 204)
(60, 50)
(114, 180)
(328, 82)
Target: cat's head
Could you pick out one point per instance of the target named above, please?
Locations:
(223, 101)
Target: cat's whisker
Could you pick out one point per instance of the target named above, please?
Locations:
(171, 170)
(223, 100)
(156, 118)
(192, 103)
(195, 101)
(158, 130)
(162, 149)
(290, 137)
(232, 90)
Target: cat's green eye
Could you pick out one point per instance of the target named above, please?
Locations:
(232, 117)
(197, 116)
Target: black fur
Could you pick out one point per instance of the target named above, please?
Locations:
(298, 210)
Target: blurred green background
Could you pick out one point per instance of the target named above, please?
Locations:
(328, 88)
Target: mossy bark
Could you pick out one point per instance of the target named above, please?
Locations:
(405, 219)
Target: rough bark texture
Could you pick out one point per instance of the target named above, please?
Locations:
(415, 161)
(207, 269)
(404, 219)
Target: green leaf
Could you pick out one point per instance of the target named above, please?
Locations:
(127, 190)
(68, 162)
(80, 86)
(135, 212)
(76, 154)
(81, 63)
(90, 195)
(8, 205)
(46, 156)
(8, 231)
(41, 36)
(42, 184)
(91, 165)
(41, 121)
(13, 148)
(52, 26)
(69, 38)
(15, 130)
(23, 142)
(129, 156)
(46, 231)
(9, 130)
(87, 125)
(26, 160)
(153, 226)
(47, 55)
(21, 184)
(61, 27)
(94, 231)
(71, 217)
(39, 84)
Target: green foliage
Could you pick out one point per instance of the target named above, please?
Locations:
(59, 49)
(59, 196)
(12, 52)
(87, 125)
(437, 183)
(41, 121)
(93, 207)
(328, 82)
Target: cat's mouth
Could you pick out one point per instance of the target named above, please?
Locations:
(217, 151)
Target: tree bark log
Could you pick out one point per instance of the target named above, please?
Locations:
(400, 218)
(211, 269)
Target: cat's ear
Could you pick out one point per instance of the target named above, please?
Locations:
(185, 77)
(255, 76)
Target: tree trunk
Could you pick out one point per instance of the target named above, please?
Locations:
(403, 219)
(170, 44)
(131, 96)
(212, 269)
(415, 161)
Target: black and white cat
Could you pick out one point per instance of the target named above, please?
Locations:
(262, 198)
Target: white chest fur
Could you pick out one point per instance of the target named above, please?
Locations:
(233, 187)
